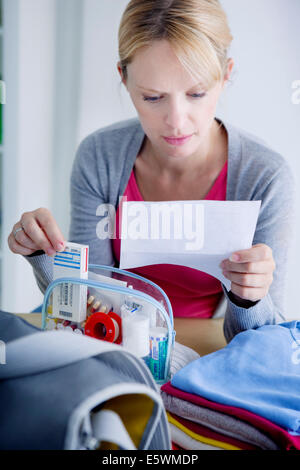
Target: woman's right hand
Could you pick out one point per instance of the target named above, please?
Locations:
(36, 230)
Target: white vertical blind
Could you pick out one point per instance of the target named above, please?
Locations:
(68, 88)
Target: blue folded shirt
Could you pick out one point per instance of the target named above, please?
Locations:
(259, 370)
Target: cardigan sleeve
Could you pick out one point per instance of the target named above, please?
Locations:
(275, 228)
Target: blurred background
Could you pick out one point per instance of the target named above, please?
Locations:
(58, 63)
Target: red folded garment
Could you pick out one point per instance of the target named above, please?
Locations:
(176, 446)
(284, 439)
(206, 432)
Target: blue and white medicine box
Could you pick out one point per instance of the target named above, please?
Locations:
(69, 300)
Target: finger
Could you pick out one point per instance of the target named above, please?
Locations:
(22, 238)
(250, 280)
(248, 293)
(37, 228)
(38, 236)
(259, 267)
(15, 247)
(47, 222)
(258, 252)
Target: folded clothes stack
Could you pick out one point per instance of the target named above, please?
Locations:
(245, 396)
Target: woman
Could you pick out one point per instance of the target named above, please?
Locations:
(174, 64)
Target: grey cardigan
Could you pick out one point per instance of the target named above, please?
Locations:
(101, 170)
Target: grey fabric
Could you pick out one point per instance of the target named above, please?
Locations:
(45, 403)
(101, 171)
(57, 349)
(219, 422)
(54, 378)
(13, 327)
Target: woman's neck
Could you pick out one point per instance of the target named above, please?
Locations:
(212, 154)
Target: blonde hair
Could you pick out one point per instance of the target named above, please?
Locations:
(197, 30)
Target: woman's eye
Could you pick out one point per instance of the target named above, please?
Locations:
(152, 99)
(198, 95)
(155, 99)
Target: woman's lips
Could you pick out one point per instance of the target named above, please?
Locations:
(177, 140)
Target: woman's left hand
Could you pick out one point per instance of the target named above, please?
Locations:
(250, 272)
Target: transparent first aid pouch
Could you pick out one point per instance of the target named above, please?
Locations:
(117, 306)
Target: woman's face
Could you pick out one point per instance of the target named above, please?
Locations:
(169, 102)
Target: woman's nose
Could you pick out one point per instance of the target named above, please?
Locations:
(175, 115)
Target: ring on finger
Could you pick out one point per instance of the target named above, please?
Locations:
(19, 229)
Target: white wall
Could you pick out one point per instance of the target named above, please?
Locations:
(266, 50)
(28, 134)
(102, 99)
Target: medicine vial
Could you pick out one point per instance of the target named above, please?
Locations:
(135, 328)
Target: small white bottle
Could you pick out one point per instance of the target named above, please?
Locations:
(135, 328)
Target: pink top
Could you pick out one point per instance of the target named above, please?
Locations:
(192, 293)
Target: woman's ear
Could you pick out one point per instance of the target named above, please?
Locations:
(230, 65)
(119, 67)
